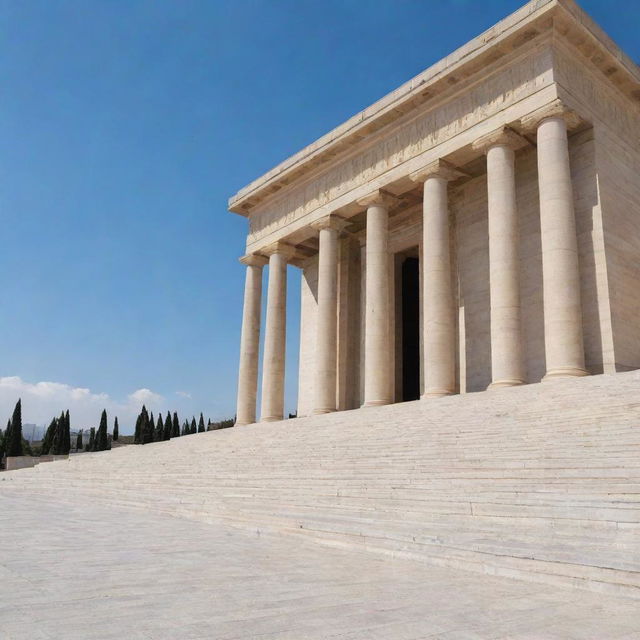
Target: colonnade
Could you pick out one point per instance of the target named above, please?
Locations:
(561, 282)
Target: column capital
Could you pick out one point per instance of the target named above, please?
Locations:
(331, 221)
(555, 109)
(282, 248)
(503, 137)
(253, 260)
(437, 169)
(379, 197)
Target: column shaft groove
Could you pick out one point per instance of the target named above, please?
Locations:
(564, 349)
(327, 323)
(377, 386)
(274, 341)
(439, 324)
(249, 346)
(506, 342)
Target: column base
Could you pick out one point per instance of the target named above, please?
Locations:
(375, 403)
(565, 372)
(243, 424)
(272, 419)
(500, 384)
(435, 393)
(320, 412)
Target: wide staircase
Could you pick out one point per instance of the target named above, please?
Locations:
(540, 482)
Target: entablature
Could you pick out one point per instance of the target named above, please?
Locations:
(538, 20)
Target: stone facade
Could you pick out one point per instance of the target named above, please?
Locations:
(476, 228)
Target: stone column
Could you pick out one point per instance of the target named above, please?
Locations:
(564, 348)
(275, 334)
(326, 360)
(377, 342)
(250, 340)
(437, 303)
(506, 339)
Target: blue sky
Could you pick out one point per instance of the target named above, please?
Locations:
(126, 125)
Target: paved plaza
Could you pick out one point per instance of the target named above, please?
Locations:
(95, 572)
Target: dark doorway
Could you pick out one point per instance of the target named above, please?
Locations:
(411, 329)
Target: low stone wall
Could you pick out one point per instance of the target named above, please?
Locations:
(24, 462)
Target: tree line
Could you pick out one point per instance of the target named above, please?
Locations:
(150, 430)
(57, 437)
(12, 442)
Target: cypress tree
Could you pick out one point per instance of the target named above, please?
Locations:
(147, 426)
(62, 426)
(58, 437)
(67, 432)
(193, 429)
(201, 424)
(13, 444)
(1, 445)
(175, 431)
(7, 435)
(159, 433)
(61, 444)
(116, 431)
(101, 440)
(137, 434)
(92, 440)
(138, 437)
(79, 440)
(186, 430)
(47, 441)
(167, 427)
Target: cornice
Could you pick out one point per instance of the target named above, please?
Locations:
(562, 18)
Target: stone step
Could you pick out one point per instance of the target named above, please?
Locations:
(541, 482)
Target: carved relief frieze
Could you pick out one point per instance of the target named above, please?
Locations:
(410, 138)
(590, 89)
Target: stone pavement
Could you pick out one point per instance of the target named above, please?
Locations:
(539, 482)
(87, 571)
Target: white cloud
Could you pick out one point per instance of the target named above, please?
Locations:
(145, 396)
(41, 401)
(183, 394)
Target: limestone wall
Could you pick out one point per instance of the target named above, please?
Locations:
(605, 165)
(619, 181)
(469, 206)
(470, 256)
(308, 320)
(349, 325)
(615, 201)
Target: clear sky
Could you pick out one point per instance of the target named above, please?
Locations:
(126, 125)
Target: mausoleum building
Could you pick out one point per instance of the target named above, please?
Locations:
(478, 227)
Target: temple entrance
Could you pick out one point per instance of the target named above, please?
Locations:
(410, 318)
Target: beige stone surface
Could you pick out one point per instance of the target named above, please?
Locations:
(564, 346)
(250, 341)
(528, 253)
(504, 245)
(275, 335)
(91, 572)
(308, 322)
(539, 482)
(326, 361)
(377, 336)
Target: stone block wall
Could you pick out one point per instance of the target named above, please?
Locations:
(615, 203)
(308, 320)
(470, 256)
(619, 184)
